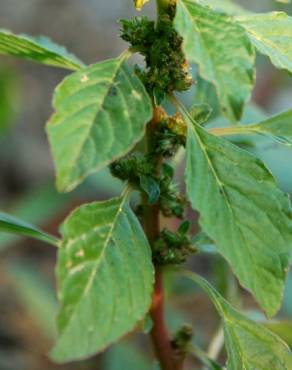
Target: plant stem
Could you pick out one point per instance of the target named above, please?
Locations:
(159, 333)
(160, 337)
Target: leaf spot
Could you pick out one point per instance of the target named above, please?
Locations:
(136, 95)
(84, 78)
(80, 253)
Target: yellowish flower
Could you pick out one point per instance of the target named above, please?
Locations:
(140, 3)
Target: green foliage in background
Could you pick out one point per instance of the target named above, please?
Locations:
(8, 98)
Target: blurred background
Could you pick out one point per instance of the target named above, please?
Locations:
(28, 302)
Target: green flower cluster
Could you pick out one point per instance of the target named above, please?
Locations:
(173, 247)
(138, 171)
(160, 44)
(168, 136)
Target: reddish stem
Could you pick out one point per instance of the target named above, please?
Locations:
(159, 333)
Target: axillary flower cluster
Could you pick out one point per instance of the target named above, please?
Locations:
(165, 72)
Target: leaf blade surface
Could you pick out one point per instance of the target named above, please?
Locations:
(101, 113)
(242, 210)
(271, 34)
(249, 345)
(222, 50)
(38, 49)
(12, 225)
(105, 278)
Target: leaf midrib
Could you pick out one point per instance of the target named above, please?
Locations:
(217, 72)
(80, 148)
(221, 186)
(99, 261)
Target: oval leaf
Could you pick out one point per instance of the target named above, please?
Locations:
(101, 113)
(243, 211)
(105, 277)
(222, 51)
(38, 49)
(249, 345)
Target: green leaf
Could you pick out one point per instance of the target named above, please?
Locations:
(225, 6)
(151, 188)
(201, 112)
(279, 127)
(203, 243)
(8, 97)
(101, 113)
(38, 207)
(271, 34)
(249, 345)
(38, 49)
(205, 93)
(105, 277)
(9, 224)
(243, 211)
(283, 329)
(184, 227)
(222, 51)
